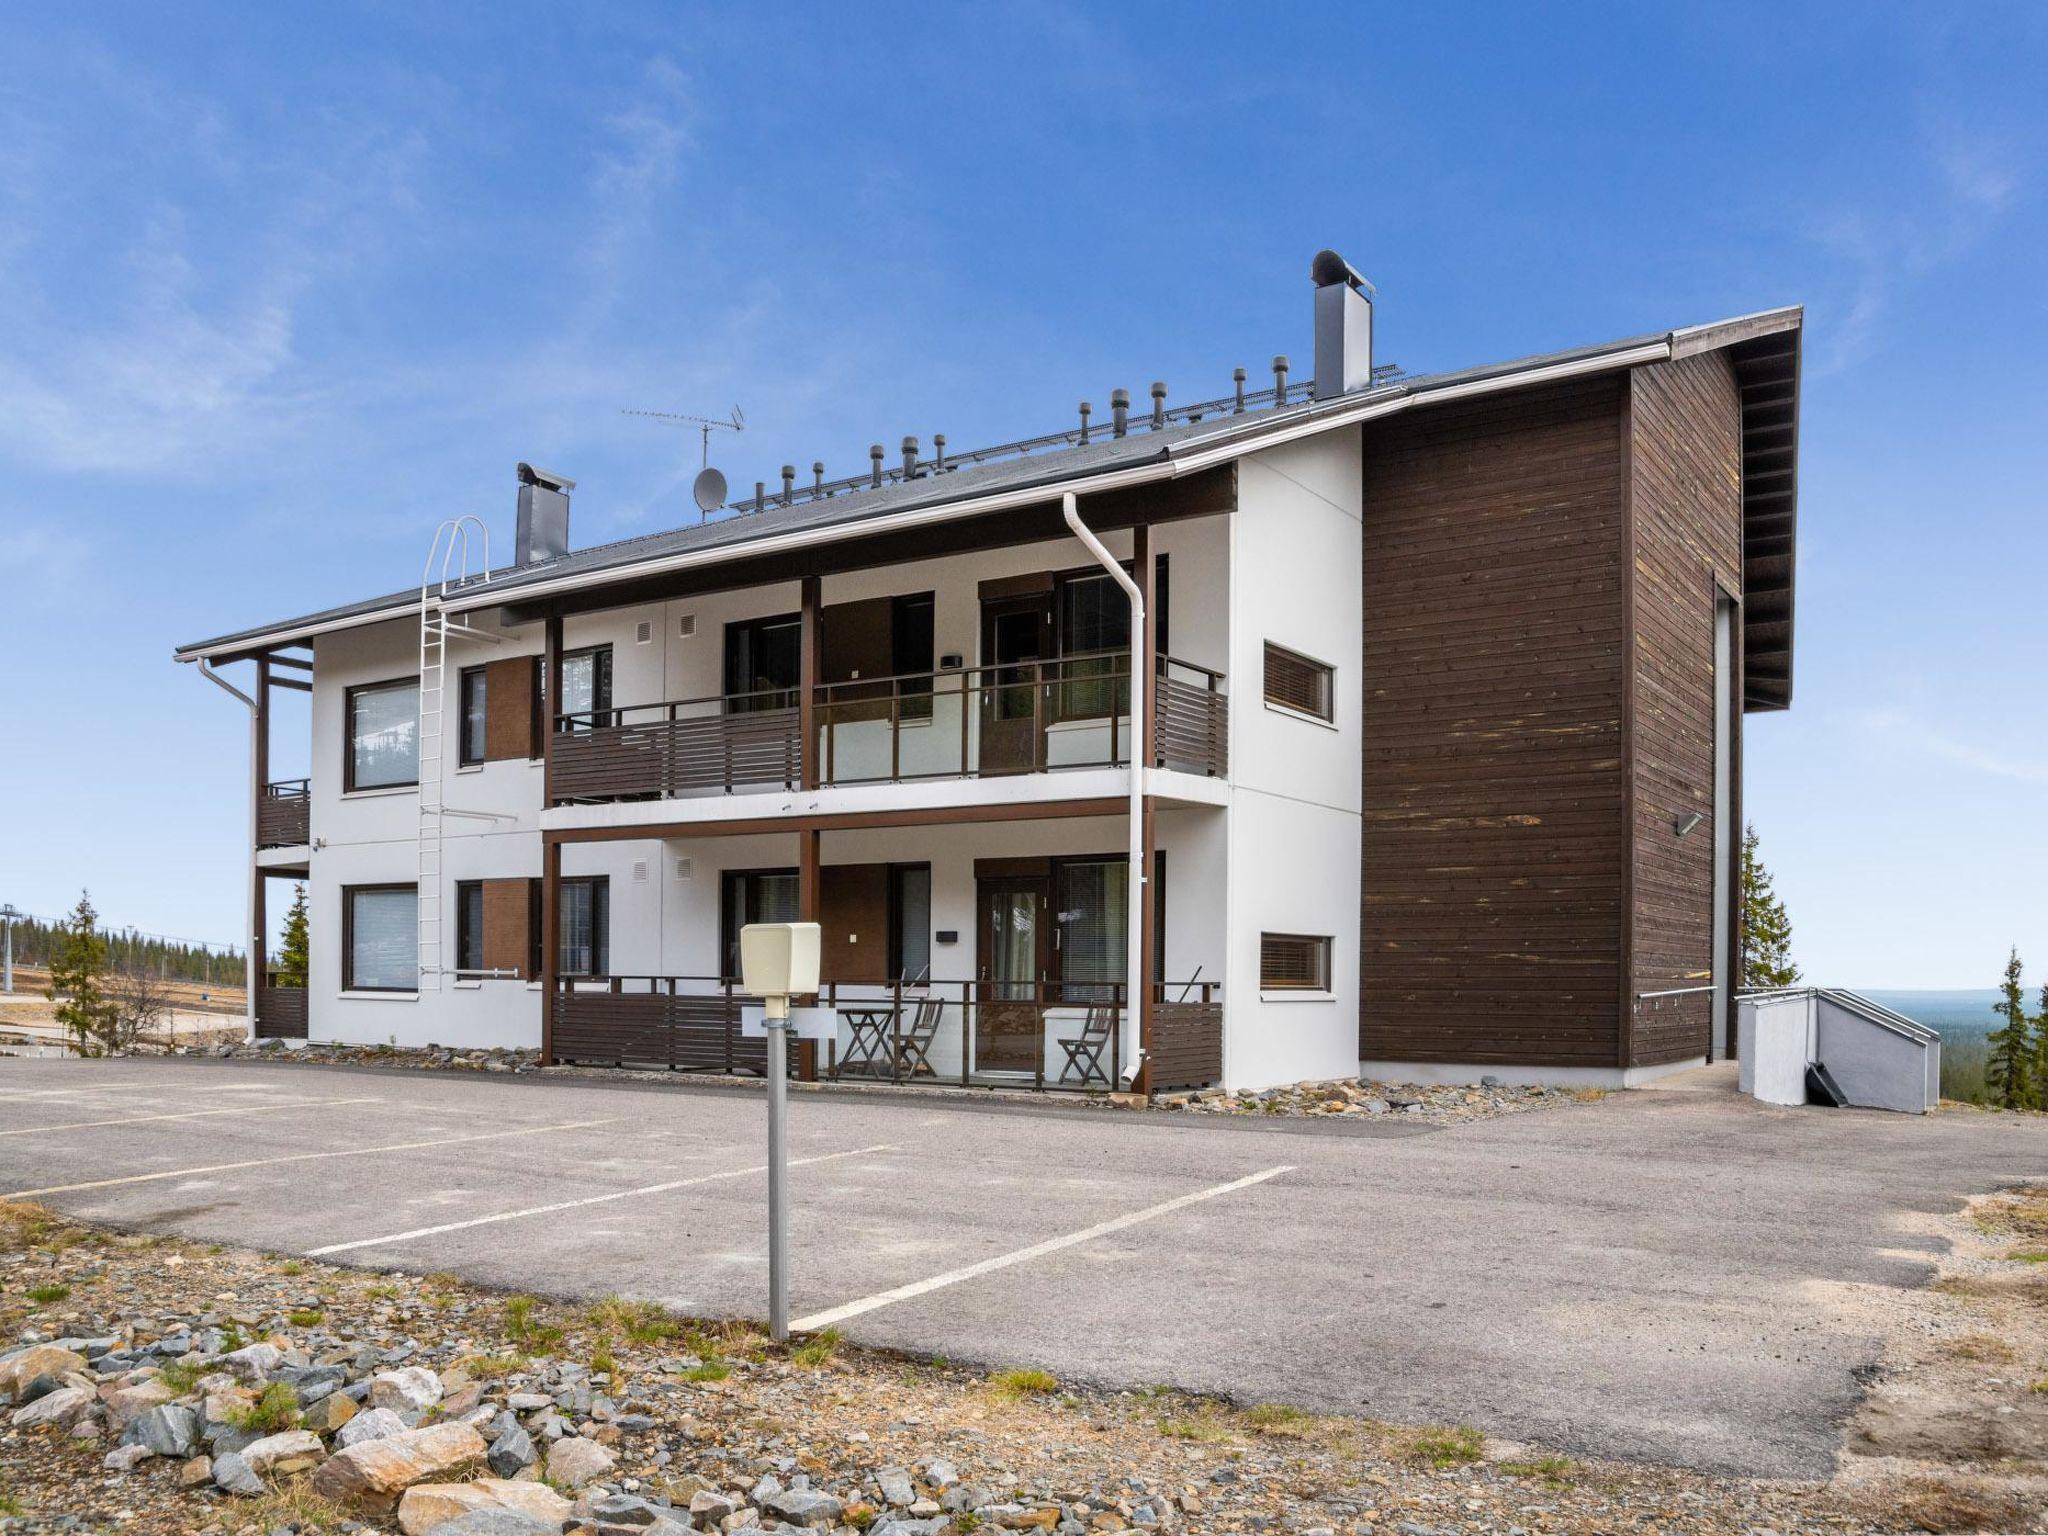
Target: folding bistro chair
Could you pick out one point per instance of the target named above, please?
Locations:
(913, 1044)
(1084, 1051)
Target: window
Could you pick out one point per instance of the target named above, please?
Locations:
(383, 735)
(910, 922)
(752, 896)
(469, 925)
(380, 938)
(1293, 962)
(1295, 682)
(910, 652)
(763, 663)
(585, 919)
(586, 688)
(475, 687)
(1093, 613)
(1092, 927)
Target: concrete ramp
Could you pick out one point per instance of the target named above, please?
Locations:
(1873, 1057)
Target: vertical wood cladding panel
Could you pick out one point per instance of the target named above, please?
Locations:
(508, 925)
(853, 916)
(1685, 498)
(1494, 848)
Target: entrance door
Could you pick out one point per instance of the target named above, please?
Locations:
(1009, 1031)
(1016, 634)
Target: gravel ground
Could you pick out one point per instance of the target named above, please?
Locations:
(681, 1408)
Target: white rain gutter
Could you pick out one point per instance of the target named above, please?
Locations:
(1136, 890)
(255, 802)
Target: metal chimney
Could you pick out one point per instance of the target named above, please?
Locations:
(1158, 404)
(1119, 411)
(1343, 326)
(542, 529)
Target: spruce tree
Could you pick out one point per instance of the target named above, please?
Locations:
(1766, 930)
(2010, 1071)
(294, 957)
(78, 968)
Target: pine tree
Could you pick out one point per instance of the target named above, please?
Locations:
(294, 957)
(1766, 930)
(2041, 1051)
(2010, 1071)
(78, 968)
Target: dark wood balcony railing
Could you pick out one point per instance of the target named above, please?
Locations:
(281, 1013)
(1023, 717)
(284, 815)
(680, 1023)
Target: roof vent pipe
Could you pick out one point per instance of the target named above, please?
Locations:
(541, 531)
(760, 495)
(875, 452)
(1119, 411)
(1343, 327)
(788, 484)
(909, 457)
(1158, 404)
(1085, 409)
(817, 477)
(1237, 377)
(938, 453)
(1280, 379)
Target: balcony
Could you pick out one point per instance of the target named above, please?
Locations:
(1024, 717)
(283, 815)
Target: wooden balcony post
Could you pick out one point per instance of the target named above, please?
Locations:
(259, 887)
(1144, 651)
(807, 685)
(551, 690)
(550, 924)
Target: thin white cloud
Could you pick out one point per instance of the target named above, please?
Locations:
(1903, 730)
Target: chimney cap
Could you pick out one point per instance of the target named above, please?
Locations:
(1329, 269)
(530, 474)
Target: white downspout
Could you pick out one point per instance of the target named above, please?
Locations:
(1139, 884)
(249, 887)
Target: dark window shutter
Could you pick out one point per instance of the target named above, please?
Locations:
(1295, 682)
(1295, 962)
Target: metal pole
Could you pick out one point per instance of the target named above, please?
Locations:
(8, 915)
(777, 1020)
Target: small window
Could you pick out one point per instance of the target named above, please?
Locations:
(1293, 962)
(383, 735)
(586, 688)
(469, 925)
(910, 923)
(474, 692)
(1295, 682)
(380, 941)
(585, 919)
(763, 664)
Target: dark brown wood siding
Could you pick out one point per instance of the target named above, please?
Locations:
(1493, 847)
(1685, 499)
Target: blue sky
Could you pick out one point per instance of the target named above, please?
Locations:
(280, 287)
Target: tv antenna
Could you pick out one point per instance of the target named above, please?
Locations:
(709, 490)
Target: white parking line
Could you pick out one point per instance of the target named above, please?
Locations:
(306, 1157)
(587, 1200)
(189, 1114)
(840, 1314)
(72, 1093)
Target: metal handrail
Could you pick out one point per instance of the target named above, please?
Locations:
(288, 789)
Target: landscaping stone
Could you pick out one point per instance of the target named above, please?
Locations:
(196, 1473)
(168, 1430)
(280, 1455)
(427, 1506)
(408, 1392)
(574, 1461)
(512, 1449)
(126, 1403)
(329, 1414)
(23, 1366)
(63, 1408)
(253, 1363)
(497, 1522)
(371, 1475)
(233, 1475)
(373, 1425)
(806, 1506)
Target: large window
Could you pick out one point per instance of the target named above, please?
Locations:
(1093, 927)
(587, 687)
(380, 938)
(752, 896)
(383, 735)
(763, 663)
(585, 918)
(1294, 962)
(474, 694)
(1295, 682)
(910, 922)
(910, 652)
(1093, 614)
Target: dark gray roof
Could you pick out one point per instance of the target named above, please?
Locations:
(1051, 466)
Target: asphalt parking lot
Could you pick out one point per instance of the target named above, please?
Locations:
(1647, 1277)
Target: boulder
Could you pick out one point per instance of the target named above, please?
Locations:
(329, 1414)
(280, 1455)
(574, 1461)
(63, 1408)
(408, 1392)
(196, 1473)
(168, 1430)
(126, 1458)
(374, 1425)
(428, 1506)
(254, 1363)
(708, 1508)
(371, 1475)
(806, 1506)
(896, 1487)
(498, 1522)
(25, 1365)
(512, 1449)
(231, 1474)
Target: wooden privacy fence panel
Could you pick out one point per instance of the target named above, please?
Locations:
(1192, 727)
(281, 1013)
(284, 816)
(696, 1033)
(1187, 1045)
(671, 757)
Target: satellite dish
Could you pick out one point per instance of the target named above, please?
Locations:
(709, 490)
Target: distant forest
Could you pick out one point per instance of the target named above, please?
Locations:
(180, 961)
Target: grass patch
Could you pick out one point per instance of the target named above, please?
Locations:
(276, 1409)
(25, 1224)
(1441, 1447)
(1024, 1383)
(2028, 1256)
(1277, 1419)
(638, 1322)
(710, 1370)
(43, 1295)
(182, 1376)
(817, 1350)
(525, 1330)
(293, 1505)
(306, 1317)
(291, 1267)
(1206, 1425)
(1959, 1505)
(10, 1505)
(1554, 1470)
(1985, 1348)
(383, 1292)
(490, 1367)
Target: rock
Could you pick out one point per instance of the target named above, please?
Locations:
(896, 1487)
(254, 1363)
(126, 1458)
(25, 1365)
(528, 1402)
(800, 1506)
(621, 1514)
(280, 1455)
(63, 1408)
(498, 1522)
(941, 1473)
(574, 1461)
(168, 1430)
(196, 1473)
(708, 1508)
(231, 1474)
(512, 1449)
(329, 1414)
(126, 1403)
(428, 1506)
(408, 1392)
(370, 1475)
(374, 1425)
